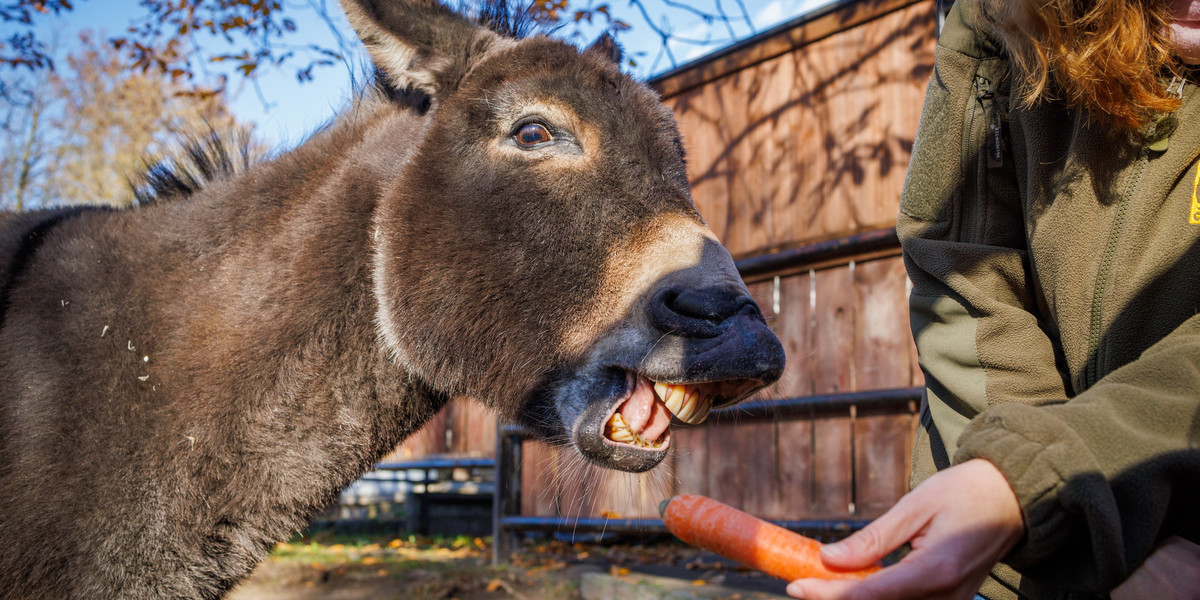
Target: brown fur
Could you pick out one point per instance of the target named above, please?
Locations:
(183, 384)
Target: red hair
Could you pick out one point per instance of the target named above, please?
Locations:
(1107, 57)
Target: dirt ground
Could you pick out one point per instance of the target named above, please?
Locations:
(354, 568)
(444, 581)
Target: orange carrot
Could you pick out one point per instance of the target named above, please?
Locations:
(723, 529)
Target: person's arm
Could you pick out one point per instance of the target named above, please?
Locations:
(1105, 477)
(974, 305)
(974, 308)
(964, 519)
(1078, 495)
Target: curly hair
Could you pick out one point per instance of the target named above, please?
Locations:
(1108, 57)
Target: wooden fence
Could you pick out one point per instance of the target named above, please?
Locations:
(796, 138)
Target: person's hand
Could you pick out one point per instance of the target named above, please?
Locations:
(1169, 573)
(960, 522)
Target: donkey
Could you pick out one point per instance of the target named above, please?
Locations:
(183, 384)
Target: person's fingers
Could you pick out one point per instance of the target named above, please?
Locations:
(880, 537)
(959, 522)
(795, 590)
(926, 577)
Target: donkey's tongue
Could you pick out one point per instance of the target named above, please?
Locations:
(645, 414)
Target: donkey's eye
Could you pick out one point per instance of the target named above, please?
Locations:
(533, 134)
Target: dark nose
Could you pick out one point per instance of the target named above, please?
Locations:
(700, 312)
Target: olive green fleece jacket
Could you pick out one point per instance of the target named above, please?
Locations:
(1055, 270)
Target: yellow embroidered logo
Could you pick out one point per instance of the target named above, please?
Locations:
(1194, 215)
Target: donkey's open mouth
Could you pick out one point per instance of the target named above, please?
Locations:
(626, 415)
(642, 418)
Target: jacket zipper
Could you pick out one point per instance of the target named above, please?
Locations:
(1106, 267)
(974, 143)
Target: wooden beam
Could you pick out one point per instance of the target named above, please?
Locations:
(837, 17)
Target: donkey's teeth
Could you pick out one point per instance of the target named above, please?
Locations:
(700, 411)
(687, 408)
(687, 402)
(673, 396)
(618, 429)
(663, 391)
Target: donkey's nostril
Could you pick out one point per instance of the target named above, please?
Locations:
(698, 311)
(705, 304)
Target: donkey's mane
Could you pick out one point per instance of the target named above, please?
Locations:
(198, 162)
(502, 17)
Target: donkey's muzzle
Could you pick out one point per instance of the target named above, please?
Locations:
(699, 312)
(718, 333)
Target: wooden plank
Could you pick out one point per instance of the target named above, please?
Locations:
(727, 477)
(832, 306)
(478, 430)
(793, 484)
(539, 494)
(757, 456)
(456, 416)
(882, 336)
(778, 41)
(882, 359)
(430, 439)
(832, 468)
(796, 478)
(756, 156)
(690, 459)
(883, 443)
(794, 328)
(700, 120)
(832, 309)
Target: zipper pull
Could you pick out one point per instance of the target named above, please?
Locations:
(1161, 129)
(1175, 88)
(983, 87)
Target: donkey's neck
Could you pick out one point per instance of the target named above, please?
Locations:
(282, 392)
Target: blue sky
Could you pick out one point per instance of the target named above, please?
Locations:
(285, 111)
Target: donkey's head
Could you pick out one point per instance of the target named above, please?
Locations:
(540, 250)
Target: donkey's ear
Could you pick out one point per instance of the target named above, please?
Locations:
(606, 47)
(418, 44)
